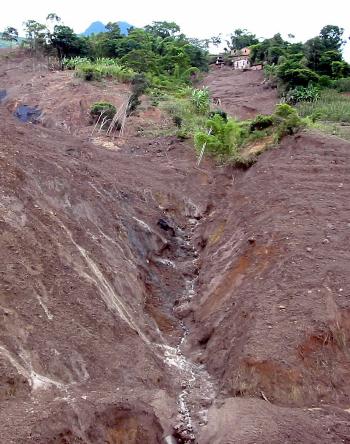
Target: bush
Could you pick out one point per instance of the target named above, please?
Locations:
(219, 112)
(225, 136)
(303, 94)
(261, 122)
(286, 121)
(325, 82)
(201, 100)
(342, 85)
(293, 77)
(102, 108)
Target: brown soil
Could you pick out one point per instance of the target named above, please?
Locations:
(241, 94)
(109, 258)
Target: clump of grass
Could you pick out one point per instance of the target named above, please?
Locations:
(331, 107)
(100, 68)
(184, 115)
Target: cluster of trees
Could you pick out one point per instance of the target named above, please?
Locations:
(159, 48)
(318, 60)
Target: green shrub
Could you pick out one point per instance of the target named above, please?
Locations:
(220, 112)
(222, 138)
(96, 70)
(261, 122)
(102, 108)
(302, 94)
(342, 85)
(293, 77)
(325, 82)
(88, 72)
(201, 100)
(286, 121)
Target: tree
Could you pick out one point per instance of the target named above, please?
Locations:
(332, 37)
(66, 42)
(163, 29)
(35, 33)
(10, 34)
(241, 38)
(326, 61)
(53, 18)
(314, 49)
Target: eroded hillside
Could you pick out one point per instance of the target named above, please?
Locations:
(146, 300)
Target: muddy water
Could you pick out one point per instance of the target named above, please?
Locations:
(27, 113)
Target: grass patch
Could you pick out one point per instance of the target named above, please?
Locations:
(187, 117)
(100, 68)
(330, 107)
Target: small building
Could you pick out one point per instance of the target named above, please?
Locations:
(241, 58)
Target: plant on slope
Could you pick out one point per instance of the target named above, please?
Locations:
(303, 94)
(201, 100)
(104, 109)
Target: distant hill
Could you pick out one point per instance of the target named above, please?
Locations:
(97, 27)
(7, 44)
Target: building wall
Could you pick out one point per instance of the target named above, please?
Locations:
(241, 63)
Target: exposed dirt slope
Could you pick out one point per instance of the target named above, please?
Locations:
(274, 285)
(144, 300)
(242, 94)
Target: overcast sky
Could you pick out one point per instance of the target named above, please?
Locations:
(303, 18)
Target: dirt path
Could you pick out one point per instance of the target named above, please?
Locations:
(145, 300)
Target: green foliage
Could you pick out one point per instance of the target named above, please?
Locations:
(286, 121)
(332, 37)
(296, 64)
(225, 139)
(293, 74)
(163, 29)
(181, 109)
(104, 109)
(139, 85)
(325, 82)
(222, 137)
(261, 122)
(340, 69)
(342, 85)
(66, 42)
(331, 106)
(220, 112)
(303, 94)
(102, 67)
(241, 38)
(73, 62)
(201, 100)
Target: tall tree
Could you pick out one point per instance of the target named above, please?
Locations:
(241, 38)
(163, 29)
(65, 42)
(332, 37)
(36, 34)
